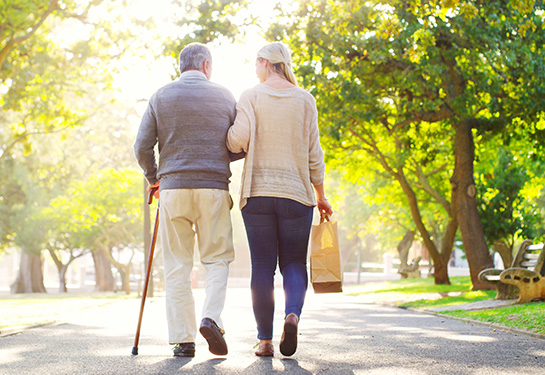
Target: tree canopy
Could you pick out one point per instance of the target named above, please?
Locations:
(408, 82)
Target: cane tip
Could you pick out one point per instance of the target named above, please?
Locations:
(134, 350)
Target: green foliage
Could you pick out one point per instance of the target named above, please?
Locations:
(394, 80)
(211, 19)
(54, 78)
(377, 68)
(44, 69)
(105, 208)
(509, 189)
(60, 122)
(105, 140)
(364, 207)
(357, 99)
(21, 200)
(202, 22)
(11, 198)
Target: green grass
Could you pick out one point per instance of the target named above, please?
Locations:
(528, 316)
(31, 309)
(463, 297)
(412, 286)
(424, 294)
(407, 291)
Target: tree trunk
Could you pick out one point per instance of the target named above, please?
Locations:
(463, 186)
(104, 278)
(124, 272)
(506, 253)
(61, 268)
(441, 270)
(30, 278)
(403, 248)
(124, 269)
(62, 279)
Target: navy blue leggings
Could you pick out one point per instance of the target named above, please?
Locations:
(278, 231)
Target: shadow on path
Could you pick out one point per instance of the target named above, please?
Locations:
(338, 335)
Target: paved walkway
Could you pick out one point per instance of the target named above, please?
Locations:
(338, 335)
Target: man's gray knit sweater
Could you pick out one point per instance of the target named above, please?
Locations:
(189, 119)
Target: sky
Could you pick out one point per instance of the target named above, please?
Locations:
(233, 63)
(233, 67)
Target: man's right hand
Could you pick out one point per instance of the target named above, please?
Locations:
(155, 185)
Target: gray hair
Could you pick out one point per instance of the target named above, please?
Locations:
(193, 56)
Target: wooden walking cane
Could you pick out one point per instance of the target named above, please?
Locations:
(148, 271)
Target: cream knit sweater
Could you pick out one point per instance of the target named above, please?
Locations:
(278, 130)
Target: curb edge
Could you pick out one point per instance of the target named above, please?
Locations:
(15, 330)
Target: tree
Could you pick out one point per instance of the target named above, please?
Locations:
(351, 211)
(26, 229)
(46, 179)
(66, 240)
(461, 67)
(510, 183)
(53, 56)
(414, 166)
(11, 197)
(106, 213)
(30, 239)
(21, 20)
(363, 212)
(38, 68)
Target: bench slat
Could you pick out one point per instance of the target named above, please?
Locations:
(529, 264)
(535, 247)
(492, 277)
(530, 256)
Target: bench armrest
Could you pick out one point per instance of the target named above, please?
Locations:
(484, 274)
(516, 273)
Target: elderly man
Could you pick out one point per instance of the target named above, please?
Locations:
(189, 119)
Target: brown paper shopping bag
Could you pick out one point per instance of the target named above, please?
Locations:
(325, 260)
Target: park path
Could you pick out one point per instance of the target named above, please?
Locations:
(339, 334)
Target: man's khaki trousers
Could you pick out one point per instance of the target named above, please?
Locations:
(183, 214)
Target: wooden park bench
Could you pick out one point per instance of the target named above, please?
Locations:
(529, 277)
(410, 271)
(525, 278)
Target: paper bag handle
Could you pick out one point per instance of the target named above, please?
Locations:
(323, 217)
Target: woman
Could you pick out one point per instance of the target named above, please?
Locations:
(277, 127)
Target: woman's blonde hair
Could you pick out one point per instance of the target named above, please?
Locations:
(279, 56)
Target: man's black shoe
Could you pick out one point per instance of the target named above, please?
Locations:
(185, 349)
(214, 335)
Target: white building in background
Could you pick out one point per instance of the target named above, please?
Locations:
(458, 258)
(9, 265)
